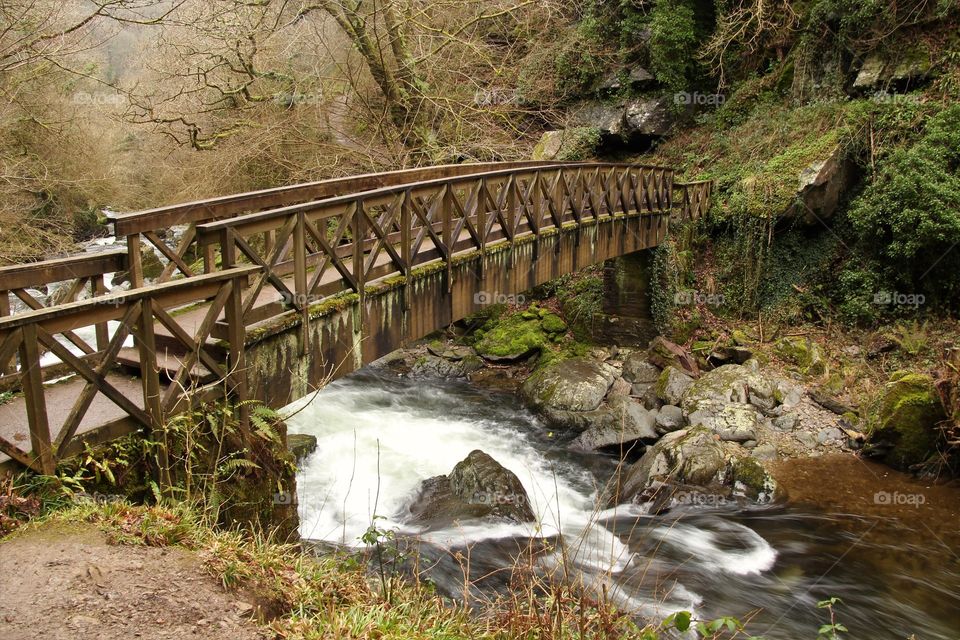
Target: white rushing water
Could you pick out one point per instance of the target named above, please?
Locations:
(379, 438)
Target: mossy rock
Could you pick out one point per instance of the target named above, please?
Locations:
(902, 425)
(513, 338)
(802, 352)
(752, 479)
(552, 323)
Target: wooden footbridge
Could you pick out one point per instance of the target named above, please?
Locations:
(268, 294)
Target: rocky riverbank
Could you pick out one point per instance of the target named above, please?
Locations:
(682, 431)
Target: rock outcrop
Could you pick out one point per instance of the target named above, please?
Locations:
(478, 487)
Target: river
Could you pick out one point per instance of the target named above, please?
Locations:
(896, 571)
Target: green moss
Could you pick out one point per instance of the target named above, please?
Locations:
(905, 419)
(552, 323)
(751, 474)
(662, 381)
(802, 352)
(513, 336)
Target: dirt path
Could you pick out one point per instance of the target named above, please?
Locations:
(63, 582)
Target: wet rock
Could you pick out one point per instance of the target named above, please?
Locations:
(752, 481)
(673, 385)
(452, 352)
(478, 487)
(670, 418)
(301, 445)
(624, 424)
(901, 427)
(690, 456)
(638, 370)
(577, 384)
(431, 366)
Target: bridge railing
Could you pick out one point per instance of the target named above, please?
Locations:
(204, 366)
(342, 243)
(695, 198)
(38, 285)
(186, 259)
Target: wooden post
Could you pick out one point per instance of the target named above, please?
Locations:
(446, 215)
(32, 383)
(406, 228)
(482, 224)
(236, 372)
(300, 280)
(98, 288)
(146, 342)
(135, 261)
(9, 367)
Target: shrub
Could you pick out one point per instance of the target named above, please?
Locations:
(908, 217)
(673, 43)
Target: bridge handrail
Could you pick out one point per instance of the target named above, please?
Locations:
(207, 229)
(145, 226)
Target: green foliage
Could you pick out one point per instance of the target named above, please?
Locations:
(909, 215)
(673, 43)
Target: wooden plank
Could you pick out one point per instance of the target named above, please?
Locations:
(37, 274)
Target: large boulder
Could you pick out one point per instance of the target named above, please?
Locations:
(690, 456)
(576, 384)
(651, 116)
(638, 370)
(478, 487)
(673, 385)
(623, 424)
(899, 71)
(695, 457)
(901, 426)
(729, 384)
(822, 185)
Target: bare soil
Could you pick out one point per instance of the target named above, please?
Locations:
(63, 582)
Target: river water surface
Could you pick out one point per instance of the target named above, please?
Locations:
(894, 565)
